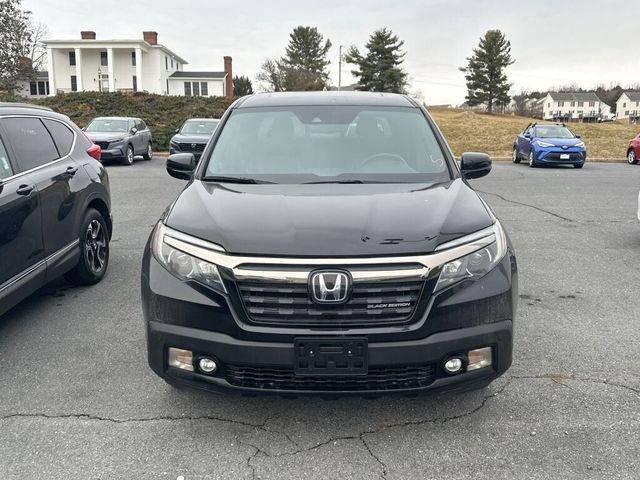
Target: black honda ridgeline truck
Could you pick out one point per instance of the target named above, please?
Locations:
(329, 243)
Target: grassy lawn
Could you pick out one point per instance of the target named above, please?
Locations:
(494, 134)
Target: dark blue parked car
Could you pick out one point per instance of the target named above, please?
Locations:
(549, 144)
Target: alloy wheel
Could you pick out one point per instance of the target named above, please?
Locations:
(95, 247)
(129, 155)
(532, 161)
(631, 157)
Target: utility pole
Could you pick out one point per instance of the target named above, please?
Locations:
(340, 67)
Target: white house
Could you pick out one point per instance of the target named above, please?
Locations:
(89, 64)
(628, 107)
(573, 106)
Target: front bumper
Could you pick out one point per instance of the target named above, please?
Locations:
(279, 357)
(471, 315)
(112, 154)
(553, 156)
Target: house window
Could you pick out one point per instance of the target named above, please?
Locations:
(104, 59)
(43, 87)
(626, 113)
(167, 92)
(172, 63)
(624, 105)
(74, 83)
(187, 89)
(177, 66)
(561, 104)
(204, 89)
(135, 83)
(133, 59)
(72, 58)
(573, 104)
(196, 89)
(33, 88)
(548, 105)
(592, 104)
(166, 63)
(581, 104)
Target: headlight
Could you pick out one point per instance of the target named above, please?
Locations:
(183, 265)
(579, 145)
(476, 264)
(117, 140)
(542, 144)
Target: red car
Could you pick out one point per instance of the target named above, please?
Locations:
(633, 151)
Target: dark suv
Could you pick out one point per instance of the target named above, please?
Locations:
(329, 243)
(54, 203)
(121, 138)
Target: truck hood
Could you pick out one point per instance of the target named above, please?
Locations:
(329, 219)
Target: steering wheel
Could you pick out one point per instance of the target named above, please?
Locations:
(371, 161)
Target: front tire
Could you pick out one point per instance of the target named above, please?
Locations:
(631, 157)
(128, 156)
(94, 250)
(149, 154)
(515, 158)
(532, 159)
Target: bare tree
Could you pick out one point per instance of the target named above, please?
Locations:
(37, 50)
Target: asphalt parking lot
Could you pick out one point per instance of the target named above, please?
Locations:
(77, 399)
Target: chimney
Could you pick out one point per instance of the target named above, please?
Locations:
(88, 35)
(150, 37)
(228, 82)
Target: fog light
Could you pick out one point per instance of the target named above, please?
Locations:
(207, 365)
(479, 358)
(182, 359)
(453, 365)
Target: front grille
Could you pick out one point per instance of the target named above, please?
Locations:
(103, 145)
(192, 147)
(290, 304)
(378, 378)
(555, 156)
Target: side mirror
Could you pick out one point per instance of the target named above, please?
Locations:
(134, 130)
(527, 135)
(181, 165)
(475, 165)
(578, 136)
(177, 130)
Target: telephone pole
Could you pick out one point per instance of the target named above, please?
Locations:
(339, 67)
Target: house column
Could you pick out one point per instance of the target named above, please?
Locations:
(52, 77)
(79, 69)
(112, 81)
(139, 69)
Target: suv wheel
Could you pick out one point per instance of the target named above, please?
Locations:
(532, 160)
(128, 156)
(94, 250)
(631, 157)
(149, 154)
(515, 158)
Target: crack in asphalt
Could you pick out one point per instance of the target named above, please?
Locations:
(558, 378)
(540, 209)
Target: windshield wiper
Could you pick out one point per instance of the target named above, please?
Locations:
(337, 181)
(225, 179)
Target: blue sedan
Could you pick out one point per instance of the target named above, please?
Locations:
(549, 144)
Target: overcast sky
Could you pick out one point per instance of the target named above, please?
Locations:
(554, 42)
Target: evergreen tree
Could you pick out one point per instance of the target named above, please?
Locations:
(242, 86)
(380, 69)
(304, 65)
(485, 72)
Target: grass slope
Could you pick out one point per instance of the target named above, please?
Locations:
(494, 134)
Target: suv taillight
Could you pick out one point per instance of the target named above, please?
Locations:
(95, 151)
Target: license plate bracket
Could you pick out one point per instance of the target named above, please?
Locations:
(330, 356)
(565, 156)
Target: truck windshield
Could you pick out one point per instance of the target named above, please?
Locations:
(306, 144)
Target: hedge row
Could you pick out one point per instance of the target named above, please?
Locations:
(162, 113)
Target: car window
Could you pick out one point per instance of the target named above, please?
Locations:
(5, 166)
(141, 125)
(62, 136)
(299, 144)
(198, 127)
(108, 125)
(553, 131)
(31, 142)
